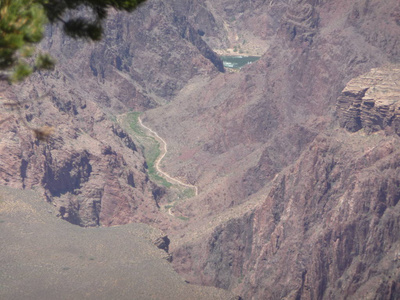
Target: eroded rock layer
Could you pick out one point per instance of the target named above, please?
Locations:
(328, 228)
(89, 168)
(289, 205)
(371, 101)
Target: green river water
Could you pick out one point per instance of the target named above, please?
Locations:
(237, 62)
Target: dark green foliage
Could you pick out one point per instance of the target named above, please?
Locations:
(89, 27)
(22, 24)
(44, 61)
(80, 28)
(22, 70)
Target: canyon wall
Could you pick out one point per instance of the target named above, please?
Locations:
(90, 168)
(289, 205)
(295, 156)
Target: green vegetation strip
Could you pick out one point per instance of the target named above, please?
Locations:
(134, 123)
(151, 148)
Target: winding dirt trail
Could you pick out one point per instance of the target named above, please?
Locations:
(159, 159)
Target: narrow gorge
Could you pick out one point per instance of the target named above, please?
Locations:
(279, 179)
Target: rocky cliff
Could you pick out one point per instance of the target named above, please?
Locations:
(143, 60)
(242, 129)
(294, 201)
(371, 102)
(328, 228)
(244, 136)
(91, 168)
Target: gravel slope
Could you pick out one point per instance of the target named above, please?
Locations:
(43, 257)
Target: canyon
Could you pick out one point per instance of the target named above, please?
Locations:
(295, 157)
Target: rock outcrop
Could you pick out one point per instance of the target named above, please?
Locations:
(325, 231)
(244, 128)
(271, 201)
(143, 60)
(328, 228)
(187, 32)
(371, 101)
(289, 205)
(90, 168)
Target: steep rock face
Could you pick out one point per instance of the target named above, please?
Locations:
(371, 101)
(300, 21)
(89, 168)
(204, 19)
(243, 129)
(279, 202)
(379, 35)
(143, 60)
(324, 231)
(224, 25)
(252, 124)
(328, 229)
(189, 33)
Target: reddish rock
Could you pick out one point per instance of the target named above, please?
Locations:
(267, 130)
(371, 101)
(289, 205)
(328, 229)
(89, 168)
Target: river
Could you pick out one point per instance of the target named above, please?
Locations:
(237, 62)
